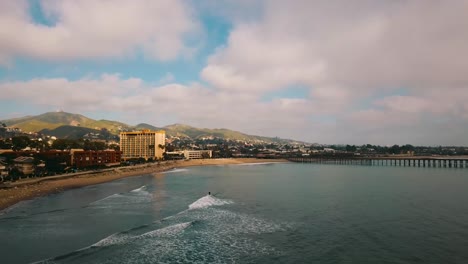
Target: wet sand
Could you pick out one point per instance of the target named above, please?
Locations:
(30, 188)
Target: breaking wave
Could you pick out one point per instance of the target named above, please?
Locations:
(142, 188)
(202, 233)
(175, 170)
(208, 201)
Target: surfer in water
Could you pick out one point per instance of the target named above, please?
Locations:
(209, 193)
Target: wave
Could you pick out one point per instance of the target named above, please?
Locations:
(208, 201)
(136, 196)
(175, 170)
(123, 238)
(106, 198)
(142, 188)
(257, 163)
(167, 231)
(116, 238)
(201, 231)
(15, 206)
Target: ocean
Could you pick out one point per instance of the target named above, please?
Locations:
(264, 213)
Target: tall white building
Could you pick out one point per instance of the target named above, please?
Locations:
(142, 144)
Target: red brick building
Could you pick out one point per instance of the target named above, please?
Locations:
(82, 159)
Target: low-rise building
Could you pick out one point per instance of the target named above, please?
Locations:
(25, 165)
(190, 154)
(198, 154)
(83, 159)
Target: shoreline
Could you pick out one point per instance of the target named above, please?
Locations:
(32, 188)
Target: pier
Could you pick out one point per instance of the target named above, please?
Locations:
(410, 161)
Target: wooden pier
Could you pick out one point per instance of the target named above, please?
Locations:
(413, 161)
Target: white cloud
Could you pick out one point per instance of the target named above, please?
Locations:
(359, 45)
(134, 101)
(95, 29)
(349, 53)
(381, 72)
(192, 104)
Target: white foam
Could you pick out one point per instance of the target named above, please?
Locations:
(113, 239)
(257, 163)
(106, 198)
(119, 238)
(139, 189)
(167, 231)
(208, 201)
(175, 170)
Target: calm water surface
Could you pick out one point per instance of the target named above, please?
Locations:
(270, 213)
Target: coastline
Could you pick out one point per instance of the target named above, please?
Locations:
(33, 188)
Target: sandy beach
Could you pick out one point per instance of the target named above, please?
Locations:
(30, 188)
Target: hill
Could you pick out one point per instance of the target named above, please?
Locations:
(69, 132)
(146, 126)
(181, 130)
(68, 125)
(53, 120)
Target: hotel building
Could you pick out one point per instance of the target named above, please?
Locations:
(142, 144)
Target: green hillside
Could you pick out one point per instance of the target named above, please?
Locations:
(54, 120)
(69, 132)
(181, 130)
(49, 120)
(67, 125)
(10, 122)
(146, 126)
(113, 126)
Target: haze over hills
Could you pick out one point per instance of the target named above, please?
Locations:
(68, 125)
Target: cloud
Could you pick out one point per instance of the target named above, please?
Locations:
(193, 104)
(363, 46)
(348, 54)
(380, 72)
(88, 29)
(134, 100)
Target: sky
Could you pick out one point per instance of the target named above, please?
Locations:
(334, 72)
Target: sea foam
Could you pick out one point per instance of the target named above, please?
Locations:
(208, 201)
(167, 231)
(175, 170)
(142, 188)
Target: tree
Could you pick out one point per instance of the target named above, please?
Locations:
(14, 174)
(114, 147)
(350, 148)
(4, 144)
(395, 149)
(169, 148)
(105, 133)
(20, 142)
(64, 144)
(94, 145)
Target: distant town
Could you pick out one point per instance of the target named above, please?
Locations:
(33, 154)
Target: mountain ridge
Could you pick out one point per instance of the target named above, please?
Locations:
(67, 125)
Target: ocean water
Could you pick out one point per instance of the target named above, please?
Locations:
(268, 213)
